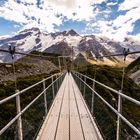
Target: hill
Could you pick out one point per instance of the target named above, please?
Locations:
(133, 70)
(28, 66)
(110, 76)
(105, 118)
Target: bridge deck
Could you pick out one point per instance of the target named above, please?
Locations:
(69, 117)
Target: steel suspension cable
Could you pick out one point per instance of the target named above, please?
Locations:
(28, 54)
(35, 55)
(125, 52)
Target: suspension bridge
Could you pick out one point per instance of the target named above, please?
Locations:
(69, 117)
(67, 109)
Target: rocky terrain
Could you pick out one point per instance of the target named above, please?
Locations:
(133, 70)
(26, 66)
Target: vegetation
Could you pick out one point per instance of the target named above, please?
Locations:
(33, 117)
(112, 77)
(135, 65)
(106, 119)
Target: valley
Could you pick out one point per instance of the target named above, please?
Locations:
(69, 50)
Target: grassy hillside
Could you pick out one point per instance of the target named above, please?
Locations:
(29, 70)
(133, 71)
(134, 66)
(106, 119)
(33, 117)
(28, 66)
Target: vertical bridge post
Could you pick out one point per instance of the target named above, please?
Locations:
(52, 87)
(59, 64)
(80, 80)
(118, 118)
(93, 96)
(19, 120)
(45, 100)
(125, 52)
(57, 83)
(84, 87)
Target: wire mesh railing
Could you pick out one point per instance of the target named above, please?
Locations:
(106, 112)
(31, 106)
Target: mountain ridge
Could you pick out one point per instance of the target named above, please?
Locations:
(65, 43)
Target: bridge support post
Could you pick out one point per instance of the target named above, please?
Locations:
(92, 101)
(45, 100)
(84, 87)
(80, 80)
(57, 83)
(59, 64)
(61, 79)
(52, 87)
(19, 120)
(77, 78)
(118, 118)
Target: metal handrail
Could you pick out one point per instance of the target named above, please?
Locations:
(113, 90)
(17, 94)
(24, 90)
(112, 108)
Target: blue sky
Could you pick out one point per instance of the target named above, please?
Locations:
(112, 18)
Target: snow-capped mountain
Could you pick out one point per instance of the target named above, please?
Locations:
(64, 43)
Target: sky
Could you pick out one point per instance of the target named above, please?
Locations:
(115, 19)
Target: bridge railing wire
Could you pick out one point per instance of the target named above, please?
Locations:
(29, 112)
(101, 112)
(104, 112)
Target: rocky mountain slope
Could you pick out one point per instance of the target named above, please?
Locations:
(65, 43)
(133, 70)
(27, 66)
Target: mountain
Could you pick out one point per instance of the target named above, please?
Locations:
(133, 70)
(59, 48)
(27, 66)
(65, 43)
(91, 44)
(80, 61)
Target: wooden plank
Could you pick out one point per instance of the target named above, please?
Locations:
(69, 117)
(49, 127)
(75, 126)
(63, 124)
(88, 128)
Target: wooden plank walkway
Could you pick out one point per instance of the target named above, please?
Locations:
(69, 117)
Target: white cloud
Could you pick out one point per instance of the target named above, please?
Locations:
(119, 28)
(28, 14)
(129, 4)
(27, 2)
(16, 26)
(4, 36)
(112, 3)
(13, 11)
(125, 23)
(49, 13)
(135, 37)
(77, 10)
(131, 16)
